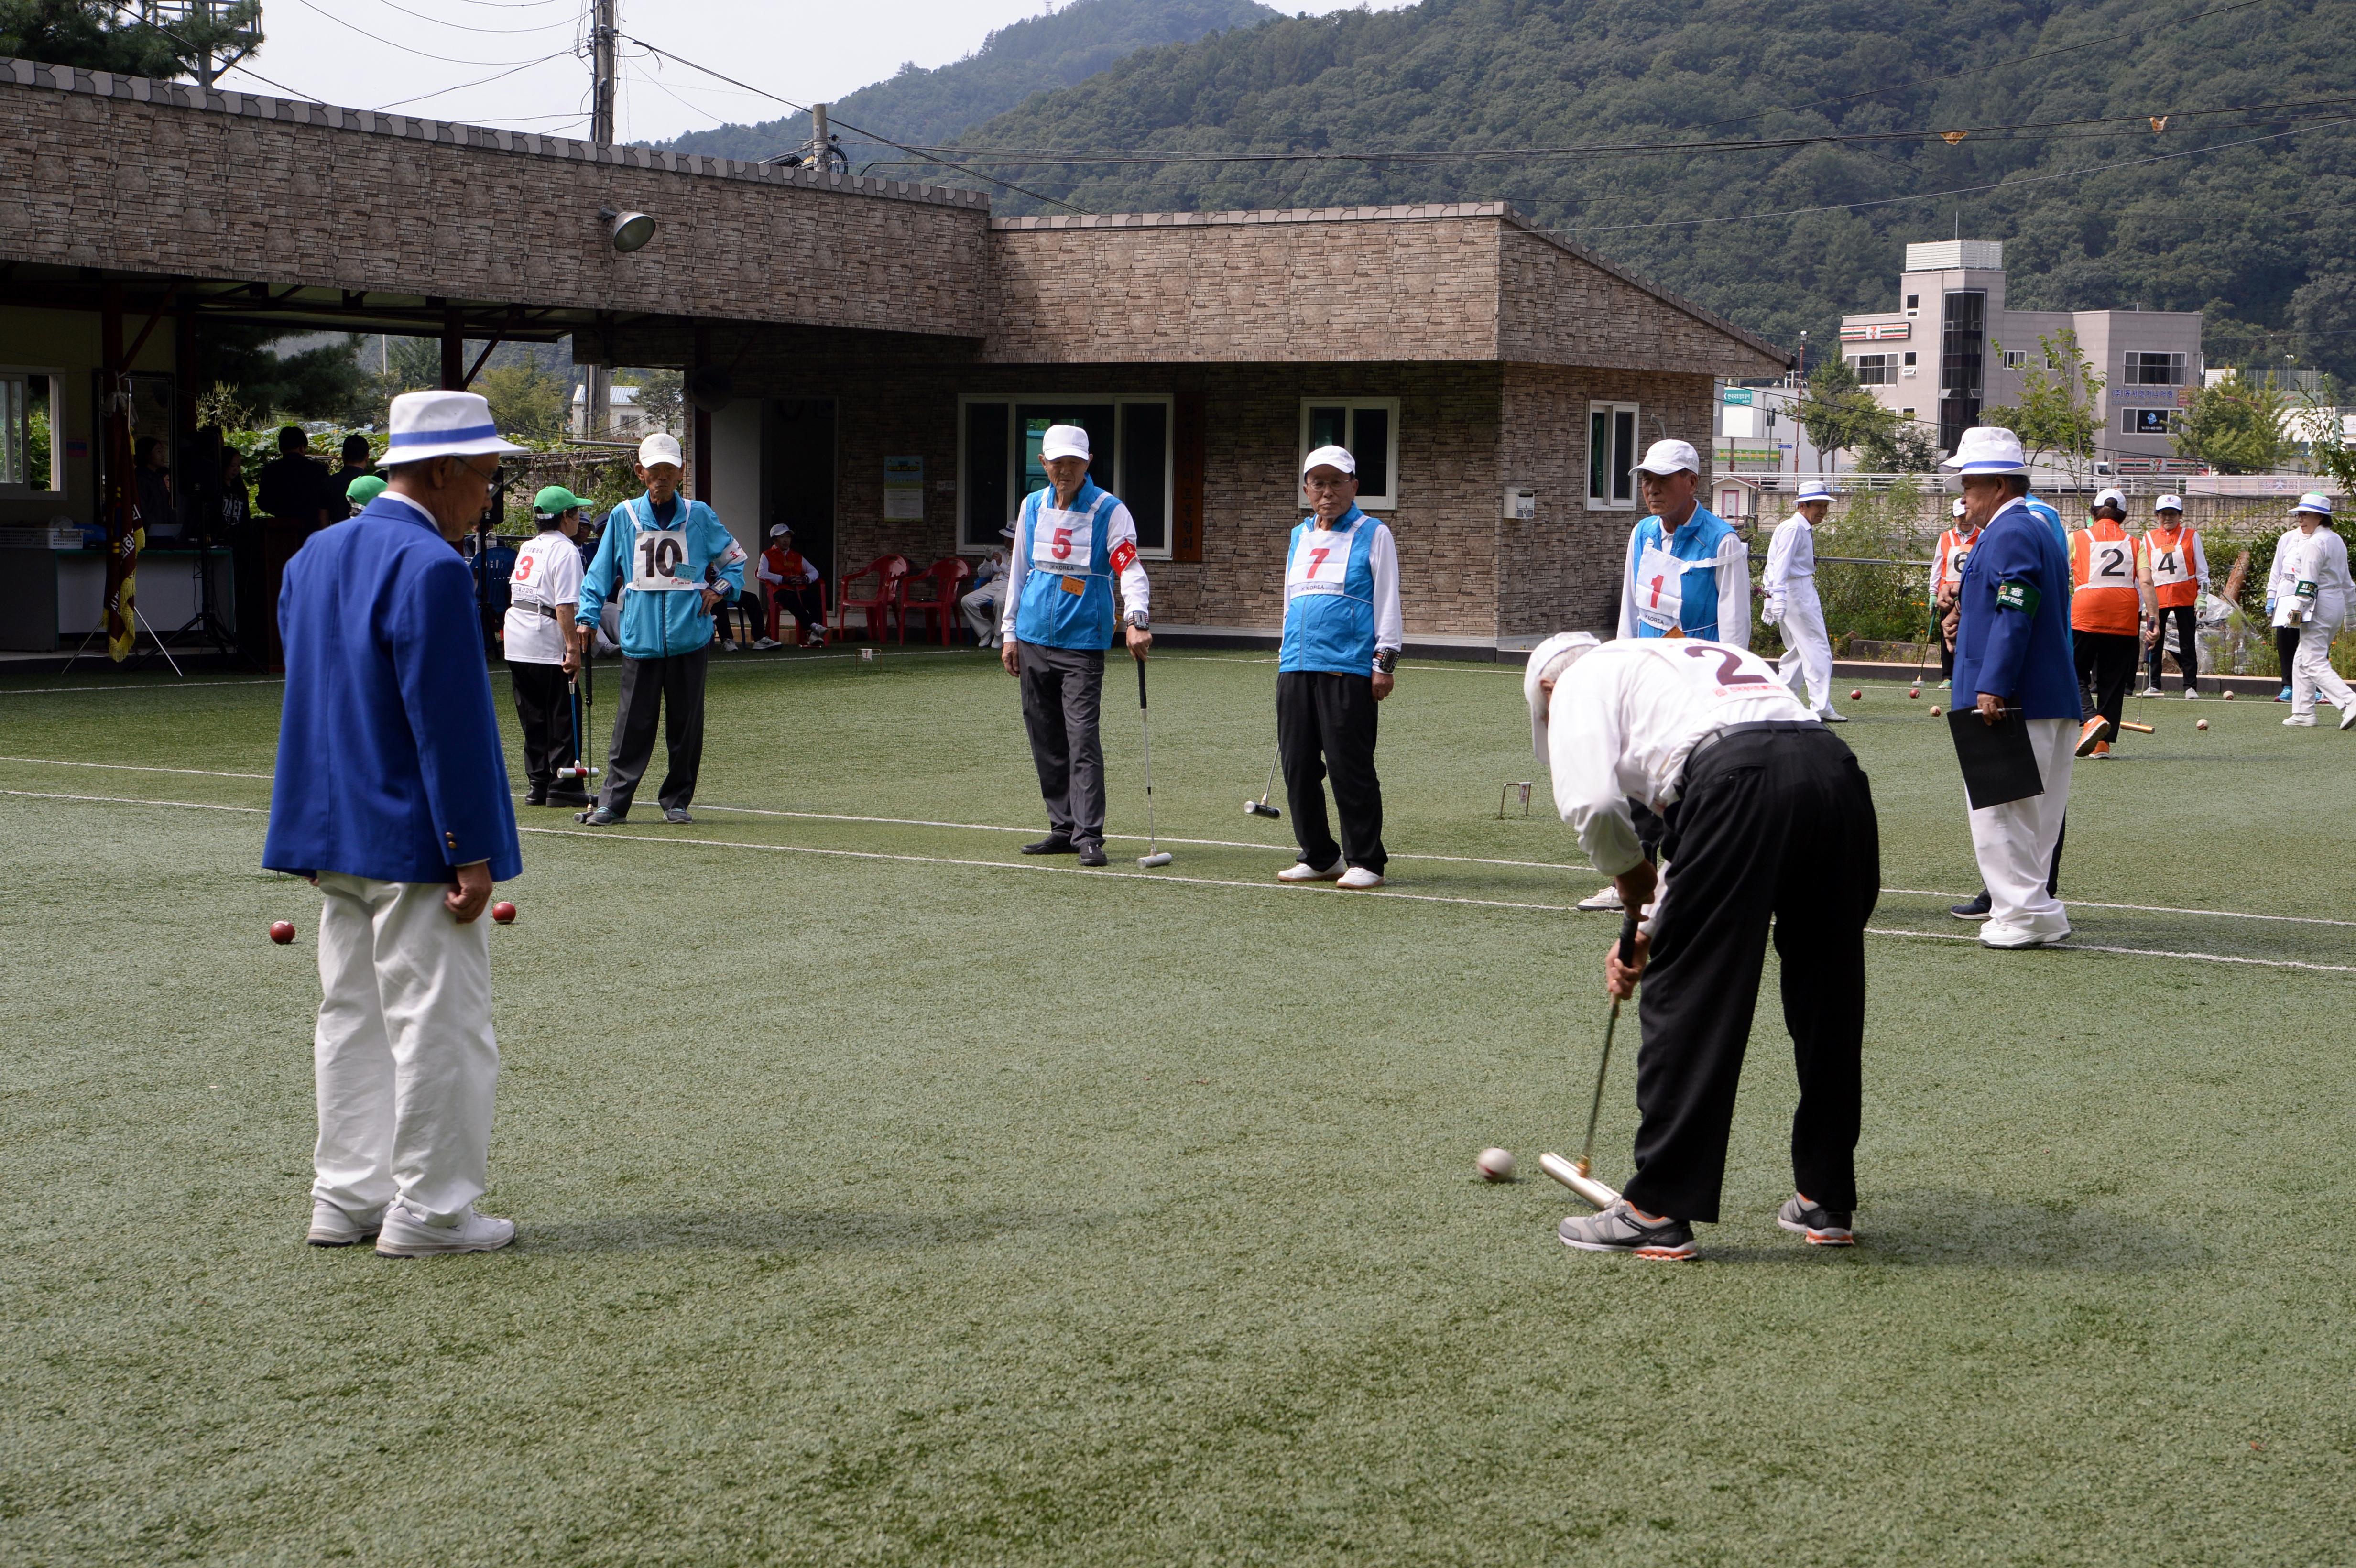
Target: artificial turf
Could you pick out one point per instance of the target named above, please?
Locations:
(943, 1208)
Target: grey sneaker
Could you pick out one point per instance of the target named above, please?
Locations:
(602, 817)
(1824, 1227)
(335, 1227)
(405, 1236)
(676, 814)
(1617, 1230)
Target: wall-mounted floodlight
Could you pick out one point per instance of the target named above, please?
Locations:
(631, 229)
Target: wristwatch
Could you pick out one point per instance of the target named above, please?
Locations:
(1140, 619)
(1384, 660)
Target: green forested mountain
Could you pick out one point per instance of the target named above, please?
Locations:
(1015, 62)
(2261, 237)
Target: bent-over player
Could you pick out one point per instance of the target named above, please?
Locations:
(1769, 818)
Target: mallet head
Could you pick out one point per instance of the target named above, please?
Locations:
(1159, 858)
(1261, 808)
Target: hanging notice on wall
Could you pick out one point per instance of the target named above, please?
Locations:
(903, 489)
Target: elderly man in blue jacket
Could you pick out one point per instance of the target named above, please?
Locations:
(391, 795)
(672, 562)
(2012, 660)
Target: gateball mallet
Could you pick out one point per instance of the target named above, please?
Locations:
(1575, 1176)
(1155, 854)
(1261, 807)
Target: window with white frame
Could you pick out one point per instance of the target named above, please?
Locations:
(2016, 358)
(2146, 368)
(28, 447)
(1612, 454)
(1872, 369)
(1369, 427)
(998, 462)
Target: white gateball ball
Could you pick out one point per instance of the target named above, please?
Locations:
(1496, 1164)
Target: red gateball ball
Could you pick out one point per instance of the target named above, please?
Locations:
(1857, 694)
(503, 912)
(1914, 691)
(282, 932)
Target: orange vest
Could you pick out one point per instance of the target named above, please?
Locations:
(2103, 577)
(2173, 580)
(1954, 554)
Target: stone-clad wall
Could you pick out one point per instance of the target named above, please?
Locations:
(1561, 572)
(157, 178)
(1562, 306)
(1416, 283)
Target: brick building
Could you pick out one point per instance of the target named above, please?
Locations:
(873, 361)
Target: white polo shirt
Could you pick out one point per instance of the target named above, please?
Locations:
(547, 571)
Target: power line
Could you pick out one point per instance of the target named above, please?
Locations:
(421, 54)
(1959, 190)
(439, 92)
(461, 27)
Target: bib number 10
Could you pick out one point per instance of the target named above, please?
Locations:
(659, 555)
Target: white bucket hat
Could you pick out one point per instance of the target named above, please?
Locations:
(441, 424)
(1959, 507)
(1987, 449)
(659, 447)
(1329, 457)
(1547, 661)
(1670, 457)
(1815, 490)
(2314, 501)
(1064, 441)
(2168, 503)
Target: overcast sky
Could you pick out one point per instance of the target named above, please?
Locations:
(320, 49)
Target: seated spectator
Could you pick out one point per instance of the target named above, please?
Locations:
(985, 600)
(157, 512)
(791, 583)
(292, 489)
(357, 465)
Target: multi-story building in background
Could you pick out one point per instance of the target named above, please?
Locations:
(1954, 347)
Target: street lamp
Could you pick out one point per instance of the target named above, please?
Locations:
(630, 229)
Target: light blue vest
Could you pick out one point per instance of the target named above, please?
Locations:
(1695, 543)
(1050, 614)
(1328, 619)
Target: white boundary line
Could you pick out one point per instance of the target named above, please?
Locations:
(2155, 909)
(144, 686)
(1189, 881)
(137, 768)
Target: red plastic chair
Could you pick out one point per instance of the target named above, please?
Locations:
(875, 606)
(934, 594)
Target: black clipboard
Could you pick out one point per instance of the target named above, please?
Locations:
(1999, 764)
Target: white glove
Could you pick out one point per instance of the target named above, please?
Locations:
(1772, 611)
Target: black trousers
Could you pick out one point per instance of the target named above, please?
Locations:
(1772, 826)
(2188, 626)
(2285, 651)
(1325, 726)
(1063, 693)
(676, 684)
(2107, 664)
(545, 709)
(801, 603)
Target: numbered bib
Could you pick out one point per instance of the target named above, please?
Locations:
(1721, 674)
(656, 558)
(2110, 563)
(2169, 564)
(1063, 542)
(1660, 600)
(1958, 559)
(1320, 562)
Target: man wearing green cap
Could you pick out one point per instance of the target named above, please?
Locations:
(363, 490)
(541, 595)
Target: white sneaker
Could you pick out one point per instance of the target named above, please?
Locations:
(766, 643)
(1832, 716)
(404, 1236)
(335, 1227)
(1606, 901)
(2300, 722)
(1303, 872)
(1359, 878)
(2151, 691)
(2347, 719)
(2192, 694)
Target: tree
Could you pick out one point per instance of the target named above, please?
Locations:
(525, 401)
(1907, 448)
(90, 35)
(1837, 411)
(321, 383)
(2324, 312)
(662, 397)
(2056, 416)
(2235, 426)
(2325, 427)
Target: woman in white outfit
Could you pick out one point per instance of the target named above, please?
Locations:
(1790, 582)
(2315, 596)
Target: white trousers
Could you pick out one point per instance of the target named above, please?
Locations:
(1807, 651)
(405, 1058)
(982, 609)
(2311, 671)
(2014, 843)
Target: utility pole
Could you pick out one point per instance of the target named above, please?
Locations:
(598, 390)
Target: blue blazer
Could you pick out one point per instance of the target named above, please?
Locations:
(2019, 655)
(390, 763)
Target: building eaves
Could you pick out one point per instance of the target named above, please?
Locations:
(1708, 318)
(185, 95)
